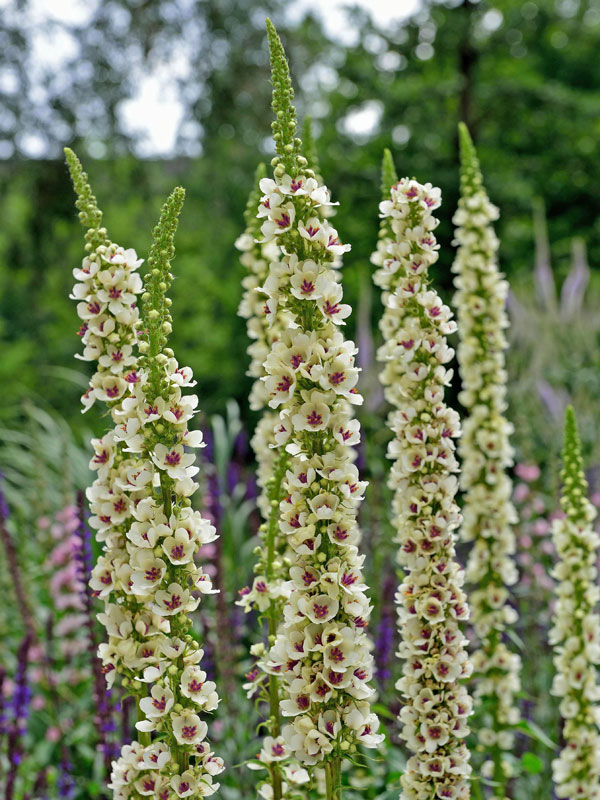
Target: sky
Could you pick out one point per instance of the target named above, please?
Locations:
(148, 106)
(154, 113)
(332, 13)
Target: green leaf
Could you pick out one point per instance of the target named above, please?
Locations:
(532, 763)
(382, 711)
(533, 730)
(515, 638)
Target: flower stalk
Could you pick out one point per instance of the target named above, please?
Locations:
(431, 603)
(575, 633)
(486, 453)
(142, 511)
(269, 588)
(321, 652)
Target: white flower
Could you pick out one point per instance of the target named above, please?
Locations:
(179, 548)
(157, 705)
(173, 601)
(313, 414)
(273, 749)
(174, 460)
(156, 755)
(195, 686)
(185, 784)
(188, 728)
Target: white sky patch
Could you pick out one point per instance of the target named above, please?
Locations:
(155, 113)
(334, 15)
(76, 12)
(362, 122)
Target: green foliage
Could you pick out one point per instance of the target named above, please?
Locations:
(310, 145)
(553, 358)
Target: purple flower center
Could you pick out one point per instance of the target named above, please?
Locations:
(188, 731)
(284, 384)
(320, 611)
(174, 602)
(335, 654)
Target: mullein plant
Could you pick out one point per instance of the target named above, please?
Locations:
(431, 603)
(321, 652)
(575, 633)
(141, 508)
(488, 513)
(270, 588)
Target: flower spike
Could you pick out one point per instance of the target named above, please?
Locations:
(486, 454)
(89, 213)
(321, 651)
(575, 634)
(431, 602)
(147, 575)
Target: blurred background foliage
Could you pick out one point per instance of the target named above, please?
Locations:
(518, 72)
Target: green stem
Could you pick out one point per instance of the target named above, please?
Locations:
(274, 718)
(477, 790)
(183, 760)
(143, 736)
(333, 782)
(166, 496)
(276, 782)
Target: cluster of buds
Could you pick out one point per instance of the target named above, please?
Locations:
(321, 651)
(431, 602)
(486, 453)
(140, 501)
(575, 634)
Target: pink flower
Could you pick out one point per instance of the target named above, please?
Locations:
(53, 734)
(521, 492)
(527, 472)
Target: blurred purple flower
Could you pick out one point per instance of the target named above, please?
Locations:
(543, 275)
(576, 282)
(555, 400)
(82, 552)
(18, 724)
